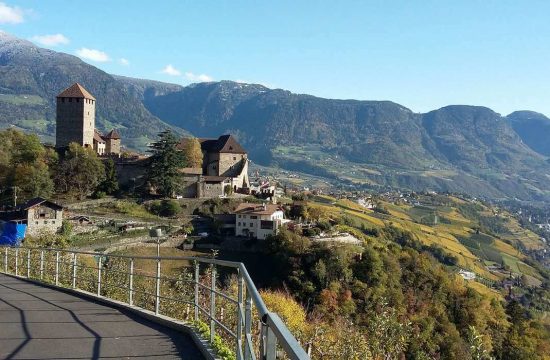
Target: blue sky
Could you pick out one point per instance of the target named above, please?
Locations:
(421, 54)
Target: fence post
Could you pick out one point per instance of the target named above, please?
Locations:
(240, 304)
(74, 270)
(197, 290)
(99, 276)
(131, 285)
(57, 268)
(248, 325)
(16, 261)
(268, 343)
(157, 292)
(41, 264)
(213, 305)
(28, 263)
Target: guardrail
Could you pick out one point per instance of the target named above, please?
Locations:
(233, 316)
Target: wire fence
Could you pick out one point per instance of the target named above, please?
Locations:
(217, 297)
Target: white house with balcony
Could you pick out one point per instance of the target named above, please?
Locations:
(258, 220)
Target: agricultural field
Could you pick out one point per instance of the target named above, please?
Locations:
(451, 224)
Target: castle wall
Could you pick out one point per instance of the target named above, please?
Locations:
(230, 164)
(88, 120)
(212, 160)
(75, 121)
(112, 146)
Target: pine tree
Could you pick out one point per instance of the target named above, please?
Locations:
(110, 184)
(166, 161)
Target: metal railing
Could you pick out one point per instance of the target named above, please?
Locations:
(227, 307)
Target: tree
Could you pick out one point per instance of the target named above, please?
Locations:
(34, 180)
(110, 184)
(193, 153)
(25, 163)
(166, 161)
(80, 171)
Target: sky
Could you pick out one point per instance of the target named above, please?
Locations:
(421, 54)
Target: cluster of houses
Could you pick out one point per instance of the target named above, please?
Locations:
(224, 171)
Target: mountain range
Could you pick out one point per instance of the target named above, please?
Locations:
(457, 148)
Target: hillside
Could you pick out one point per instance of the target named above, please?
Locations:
(31, 77)
(533, 128)
(476, 236)
(367, 143)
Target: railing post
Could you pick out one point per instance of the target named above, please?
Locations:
(57, 268)
(131, 285)
(248, 325)
(74, 270)
(99, 276)
(197, 290)
(213, 305)
(268, 343)
(41, 264)
(157, 292)
(6, 260)
(240, 305)
(28, 263)
(16, 261)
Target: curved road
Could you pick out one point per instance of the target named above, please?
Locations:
(42, 323)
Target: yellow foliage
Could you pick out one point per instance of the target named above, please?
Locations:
(290, 311)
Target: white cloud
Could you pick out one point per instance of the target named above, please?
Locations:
(10, 15)
(170, 70)
(50, 40)
(92, 54)
(124, 61)
(198, 77)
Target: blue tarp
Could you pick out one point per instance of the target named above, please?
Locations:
(12, 234)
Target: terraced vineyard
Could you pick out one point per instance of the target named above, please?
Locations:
(465, 230)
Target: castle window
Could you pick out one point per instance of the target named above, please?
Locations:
(234, 158)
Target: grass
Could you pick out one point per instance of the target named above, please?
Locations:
(129, 208)
(168, 267)
(23, 99)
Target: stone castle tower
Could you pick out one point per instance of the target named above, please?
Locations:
(75, 119)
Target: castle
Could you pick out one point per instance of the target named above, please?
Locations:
(75, 122)
(224, 168)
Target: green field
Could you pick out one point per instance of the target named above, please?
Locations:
(23, 99)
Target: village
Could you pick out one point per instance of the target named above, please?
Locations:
(218, 204)
(255, 206)
(205, 198)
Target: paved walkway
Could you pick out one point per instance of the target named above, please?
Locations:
(41, 323)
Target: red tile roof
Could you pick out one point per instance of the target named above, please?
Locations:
(75, 91)
(113, 134)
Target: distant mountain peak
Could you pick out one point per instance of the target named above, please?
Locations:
(7, 39)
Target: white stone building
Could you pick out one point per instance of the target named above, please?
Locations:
(258, 220)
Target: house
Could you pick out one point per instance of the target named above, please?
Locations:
(224, 167)
(258, 220)
(40, 215)
(467, 275)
